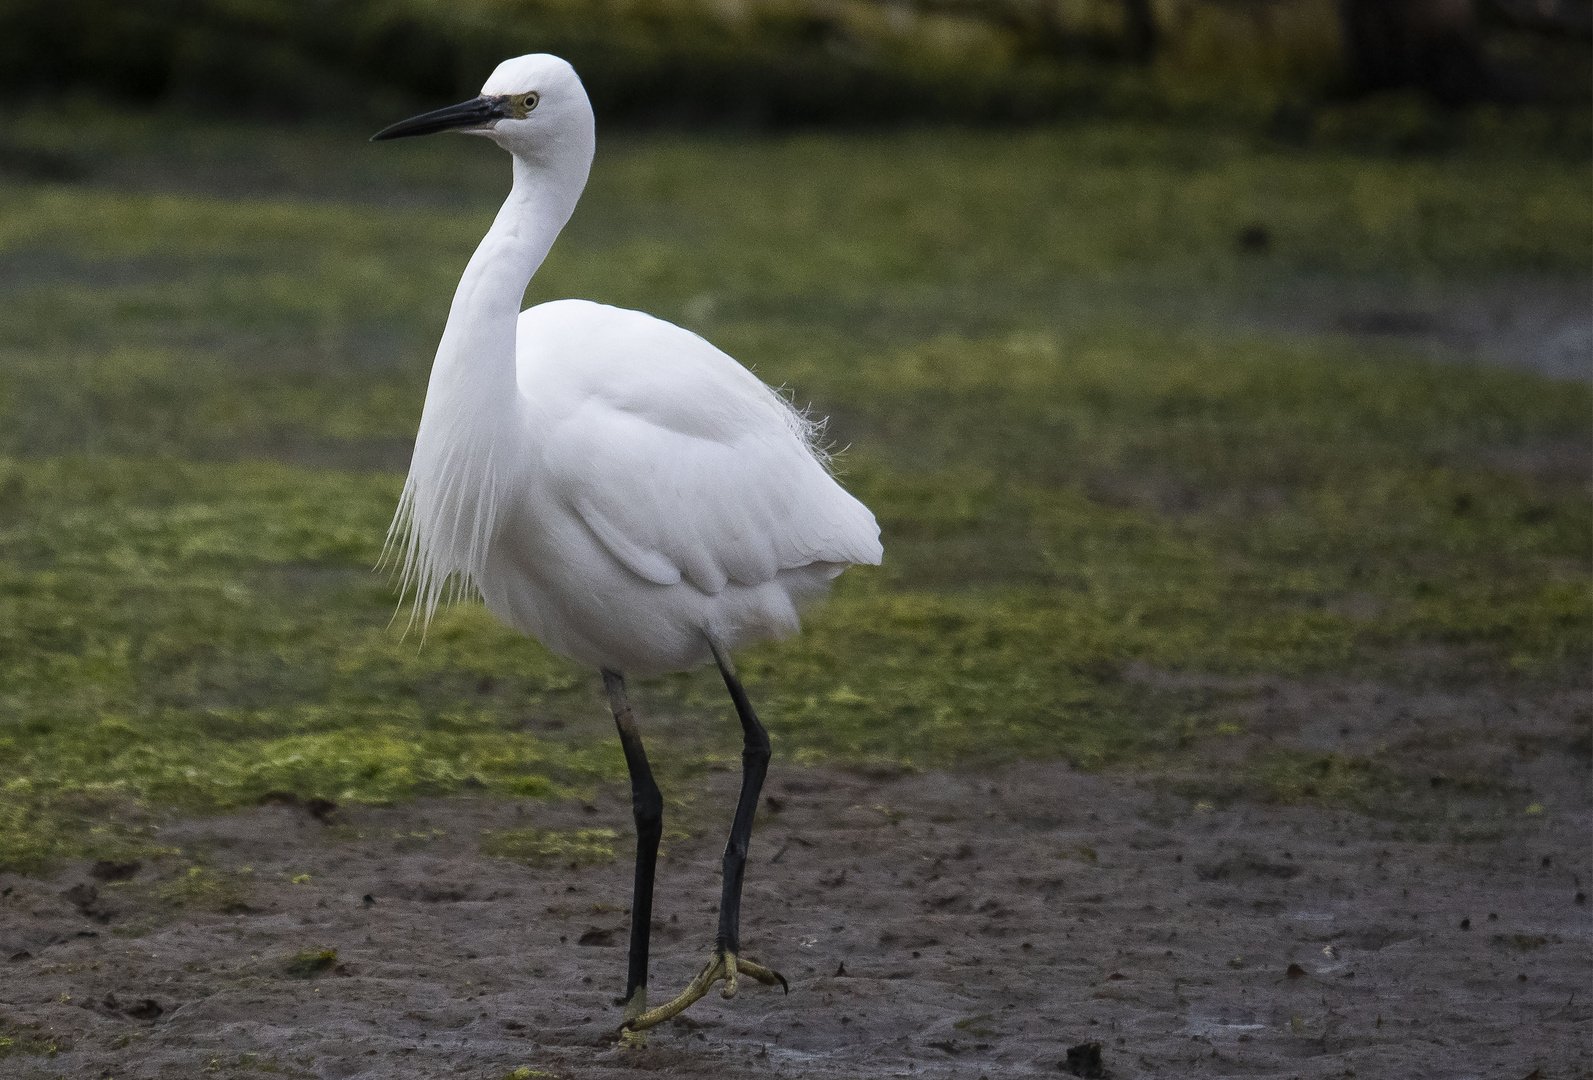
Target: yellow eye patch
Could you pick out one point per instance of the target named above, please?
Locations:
(520, 105)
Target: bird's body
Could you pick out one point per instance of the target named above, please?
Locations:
(664, 490)
(610, 483)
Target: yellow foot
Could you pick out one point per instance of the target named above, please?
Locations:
(723, 965)
(634, 1008)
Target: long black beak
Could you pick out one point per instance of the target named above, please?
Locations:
(467, 114)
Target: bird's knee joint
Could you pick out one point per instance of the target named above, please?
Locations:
(650, 812)
(648, 806)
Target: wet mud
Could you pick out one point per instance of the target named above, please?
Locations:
(935, 925)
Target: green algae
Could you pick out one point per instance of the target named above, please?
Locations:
(1090, 467)
(547, 847)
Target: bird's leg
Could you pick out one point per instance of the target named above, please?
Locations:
(726, 963)
(648, 807)
(754, 767)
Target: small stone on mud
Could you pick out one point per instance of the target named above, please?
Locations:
(840, 971)
(597, 935)
(110, 870)
(1084, 1060)
(81, 896)
(1295, 971)
(144, 1009)
(148, 1009)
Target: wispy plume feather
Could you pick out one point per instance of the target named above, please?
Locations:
(437, 544)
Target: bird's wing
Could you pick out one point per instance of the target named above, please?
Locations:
(685, 487)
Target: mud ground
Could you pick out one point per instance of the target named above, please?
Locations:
(932, 925)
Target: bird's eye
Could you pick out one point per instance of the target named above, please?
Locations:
(522, 104)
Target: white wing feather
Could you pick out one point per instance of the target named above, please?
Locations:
(679, 460)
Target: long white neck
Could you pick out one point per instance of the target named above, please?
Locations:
(475, 359)
(473, 421)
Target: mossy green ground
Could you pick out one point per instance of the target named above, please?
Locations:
(1039, 352)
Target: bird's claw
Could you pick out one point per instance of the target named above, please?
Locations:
(634, 1008)
(722, 965)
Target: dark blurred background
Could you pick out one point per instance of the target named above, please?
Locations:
(782, 63)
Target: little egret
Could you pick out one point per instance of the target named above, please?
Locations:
(611, 484)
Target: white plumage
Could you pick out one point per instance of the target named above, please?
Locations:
(610, 483)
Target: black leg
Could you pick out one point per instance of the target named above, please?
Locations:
(648, 806)
(726, 962)
(754, 766)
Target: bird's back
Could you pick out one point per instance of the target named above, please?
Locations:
(669, 491)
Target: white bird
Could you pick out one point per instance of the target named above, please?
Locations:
(611, 484)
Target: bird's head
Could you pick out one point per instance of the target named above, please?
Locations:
(533, 106)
